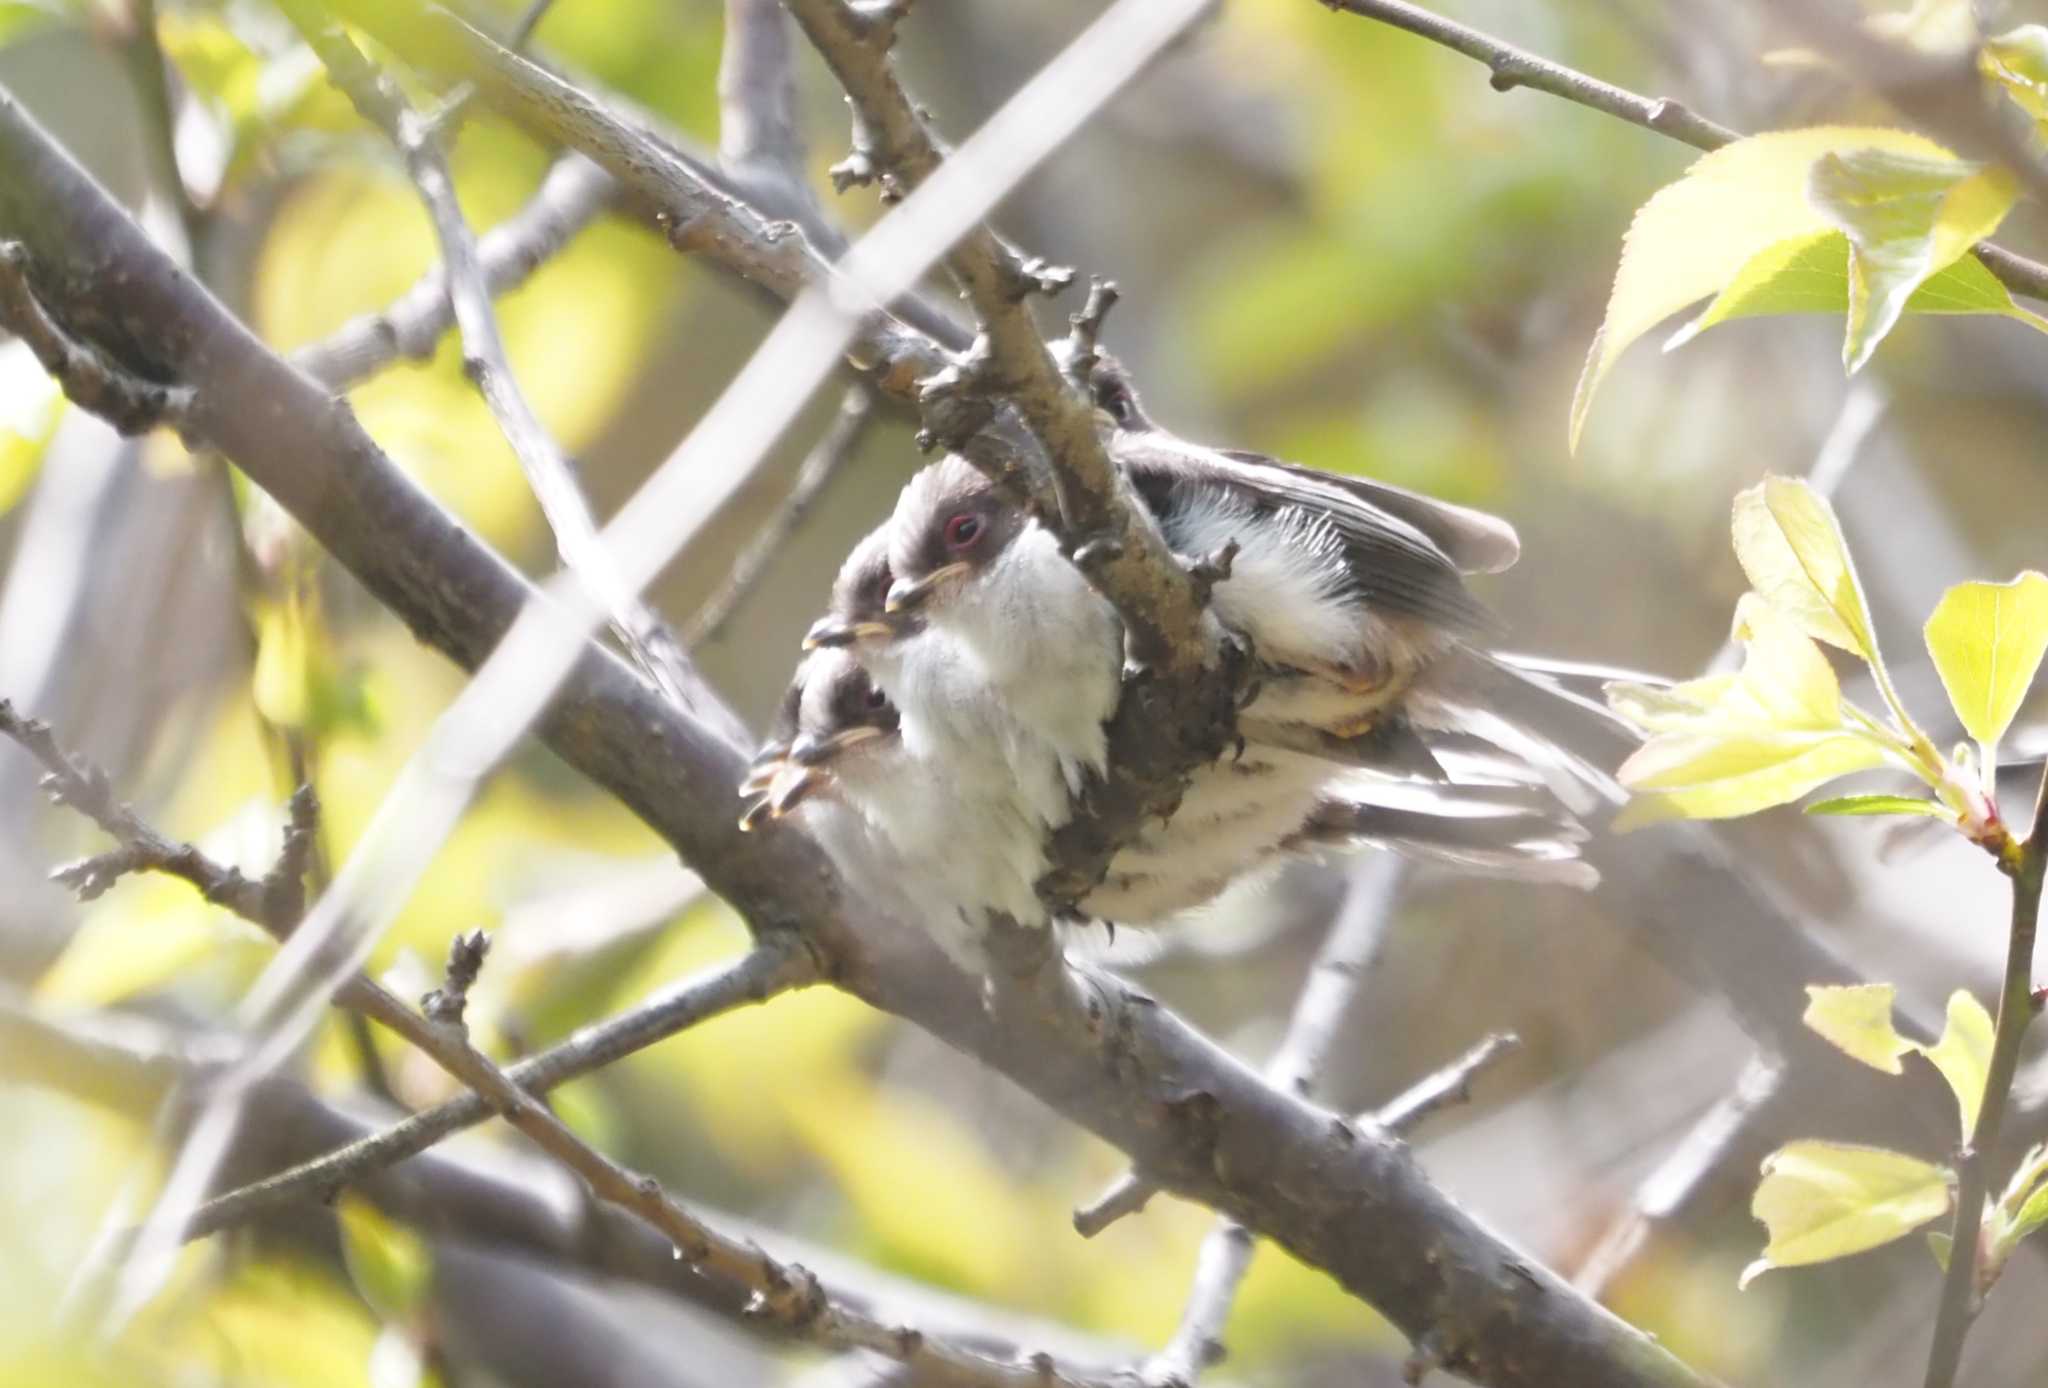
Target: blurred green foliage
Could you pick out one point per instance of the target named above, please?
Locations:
(1410, 293)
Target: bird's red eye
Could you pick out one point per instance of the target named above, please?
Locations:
(962, 531)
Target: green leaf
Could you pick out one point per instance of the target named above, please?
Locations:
(1963, 1055)
(1987, 640)
(1857, 1020)
(2017, 62)
(1697, 236)
(1907, 217)
(1880, 804)
(390, 1265)
(1790, 545)
(2031, 1216)
(1826, 1200)
(1810, 274)
(1712, 782)
(1939, 1245)
(1669, 708)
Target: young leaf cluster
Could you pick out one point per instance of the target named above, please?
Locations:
(1733, 744)
(1865, 221)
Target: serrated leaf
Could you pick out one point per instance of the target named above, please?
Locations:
(1963, 1055)
(1810, 274)
(1907, 218)
(1881, 804)
(1987, 640)
(1856, 1020)
(1791, 547)
(1827, 1200)
(390, 1264)
(1695, 237)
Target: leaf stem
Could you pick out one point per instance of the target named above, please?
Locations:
(1961, 1296)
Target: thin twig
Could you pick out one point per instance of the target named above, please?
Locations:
(1326, 994)
(760, 146)
(1962, 1288)
(1326, 1000)
(1709, 1142)
(776, 966)
(784, 1295)
(145, 58)
(839, 443)
(273, 901)
(574, 193)
(1226, 1254)
(1130, 562)
(1445, 1088)
(548, 470)
(1515, 67)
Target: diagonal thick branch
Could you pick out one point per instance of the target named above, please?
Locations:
(1347, 1199)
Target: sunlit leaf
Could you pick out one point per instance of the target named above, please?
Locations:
(1907, 218)
(1781, 768)
(1669, 708)
(1963, 1055)
(1810, 274)
(31, 406)
(1790, 545)
(2032, 1214)
(2017, 62)
(1987, 640)
(1857, 1020)
(1696, 236)
(1938, 28)
(390, 1264)
(1826, 1200)
(1881, 804)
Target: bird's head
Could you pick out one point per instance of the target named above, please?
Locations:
(950, 526)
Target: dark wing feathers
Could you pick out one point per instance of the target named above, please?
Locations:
(1394, 564)
(1473, 540)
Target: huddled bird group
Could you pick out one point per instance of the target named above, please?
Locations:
(950, 707)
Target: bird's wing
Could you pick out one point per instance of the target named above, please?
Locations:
(1395, 565)
(1476, 542)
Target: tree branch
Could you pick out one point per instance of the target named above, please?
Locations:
(1326, 996)
(1962, 1286)
(573, 194)
(1515, 67)
(841, 440)
(548, 470)
(1659, 1196)
(1347, 1199)
(772, 968)
(1112, 539)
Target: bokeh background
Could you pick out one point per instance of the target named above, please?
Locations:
(1335, 243)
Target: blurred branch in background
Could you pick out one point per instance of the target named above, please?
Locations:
(1512, 67)
(549, 472)
(841, 439)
